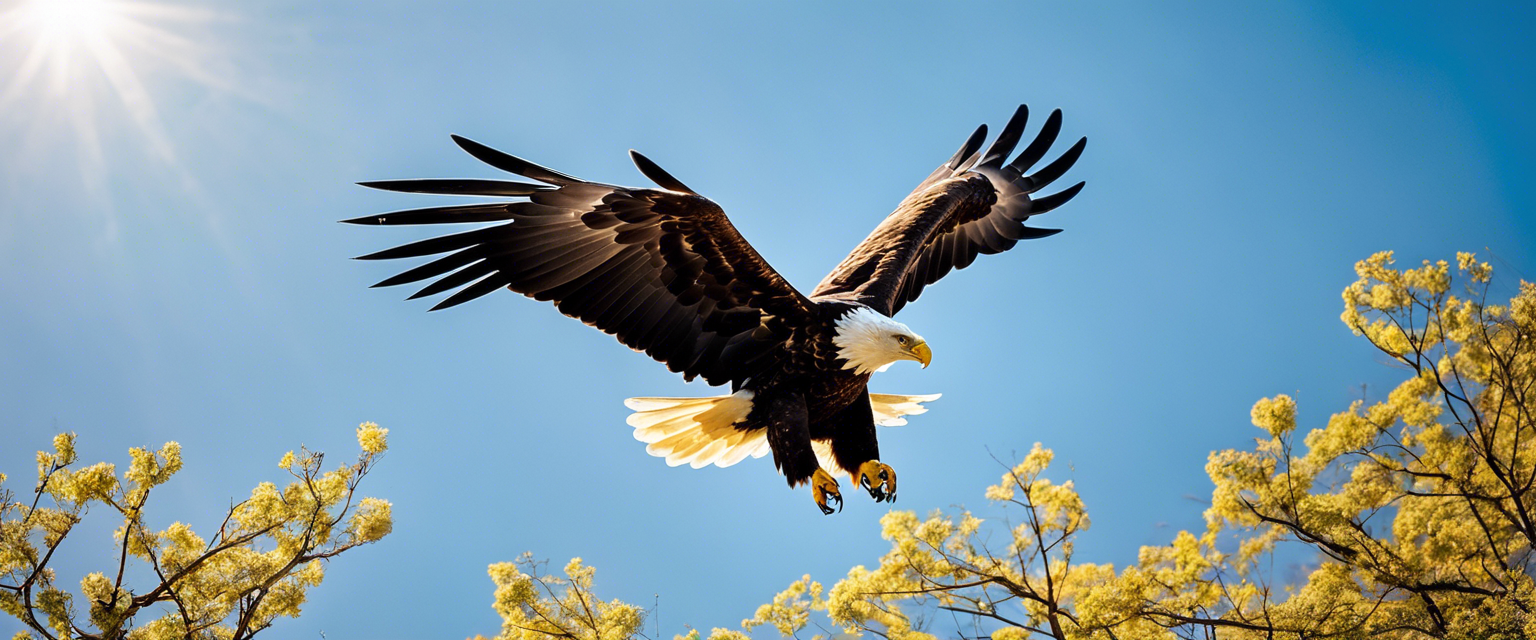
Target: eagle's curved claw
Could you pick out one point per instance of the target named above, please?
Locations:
(824, 488)
(879, 479)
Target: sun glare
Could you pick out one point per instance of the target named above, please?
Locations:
(67, 37)
(87, 64)
(68, 22)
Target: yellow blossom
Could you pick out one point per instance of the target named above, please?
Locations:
(372, 438)
(149, 469)
(788, 613)
(96, 482)
(64, 448)
(1478, 271)
(513, 588)
(1276, 415)
(271, 543)
(1010, 633)
(539, 607)
(372, 520)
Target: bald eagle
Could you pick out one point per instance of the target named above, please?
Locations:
(666, 273)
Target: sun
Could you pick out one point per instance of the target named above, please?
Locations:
(88, 64)
(66, 23)
(67, 39)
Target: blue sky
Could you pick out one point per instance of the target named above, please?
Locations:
(177, 273)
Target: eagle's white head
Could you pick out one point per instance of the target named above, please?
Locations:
(868, 341)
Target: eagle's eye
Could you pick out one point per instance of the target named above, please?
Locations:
(902, 340)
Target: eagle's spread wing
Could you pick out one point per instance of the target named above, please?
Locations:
(662, 270)
(974, 204)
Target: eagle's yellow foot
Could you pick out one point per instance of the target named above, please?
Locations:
(823, 489)
(880, 479)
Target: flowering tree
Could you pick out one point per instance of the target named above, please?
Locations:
(535, 605)
(257, 566)
(1420, 508)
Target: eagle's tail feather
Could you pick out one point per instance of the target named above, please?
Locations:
(697, 431)
(889, 407)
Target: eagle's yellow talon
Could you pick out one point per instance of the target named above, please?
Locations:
(823, 489)
(879, 479)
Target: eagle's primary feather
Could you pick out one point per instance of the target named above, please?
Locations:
(665, 272)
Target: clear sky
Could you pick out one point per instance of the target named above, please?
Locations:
(172, 268)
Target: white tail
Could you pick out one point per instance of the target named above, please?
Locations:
(699, 432)
(889, 407)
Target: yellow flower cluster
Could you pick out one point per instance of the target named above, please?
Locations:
(537, 607)
(718, 633)
(1276, 415)
(258, 566)
(943, 560)
(1439, 451)
(790, 610)
(109, 603)
(372, 520)
(149, 469)
(372, 438)
(1480, 272)
(64, 448)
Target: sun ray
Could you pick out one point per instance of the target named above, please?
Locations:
(30, 65)
(140, 105)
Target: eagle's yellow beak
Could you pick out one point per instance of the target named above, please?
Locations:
(922, 353)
